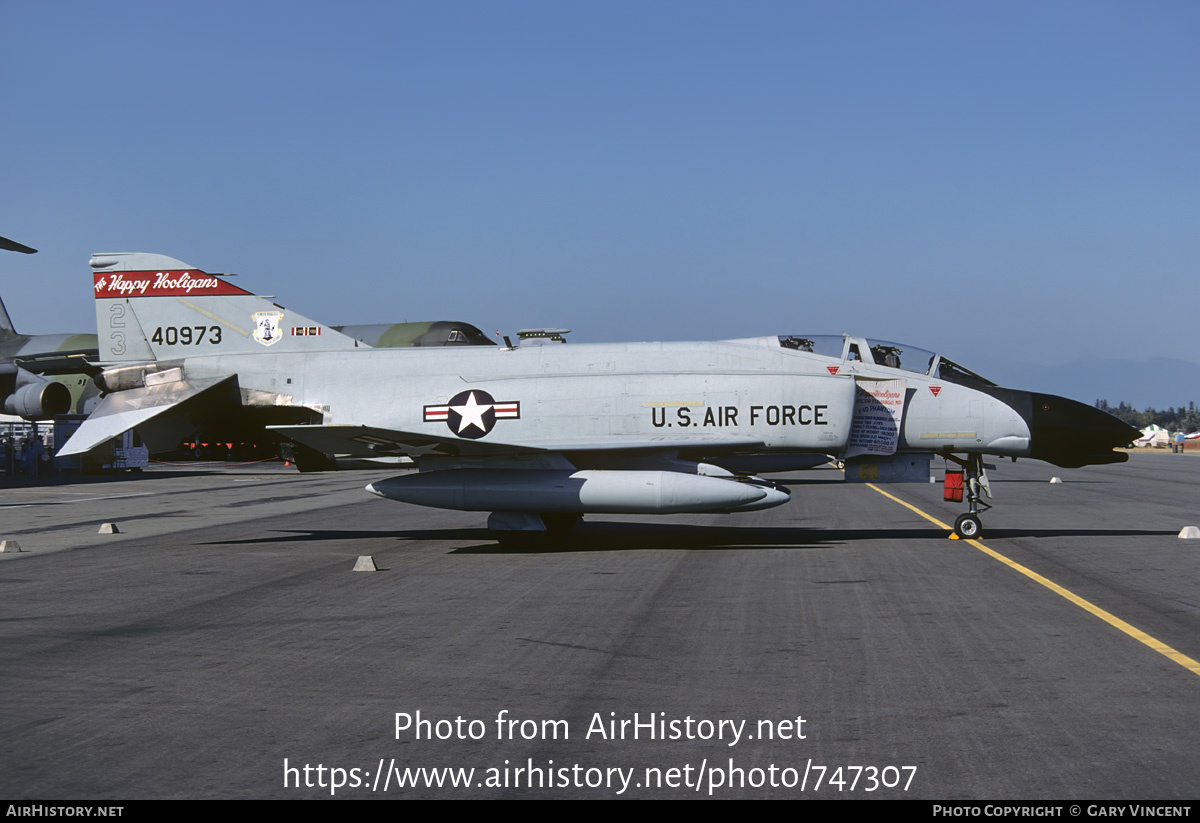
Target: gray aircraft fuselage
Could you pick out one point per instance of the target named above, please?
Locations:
(749, 388)
(753, 388)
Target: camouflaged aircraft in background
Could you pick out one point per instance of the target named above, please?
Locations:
(42, 375)
(540, 435)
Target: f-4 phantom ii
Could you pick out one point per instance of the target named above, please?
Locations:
(540, 436)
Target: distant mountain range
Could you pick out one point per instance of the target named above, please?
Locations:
(1160, 383)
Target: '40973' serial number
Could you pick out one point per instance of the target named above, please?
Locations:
(186, 335)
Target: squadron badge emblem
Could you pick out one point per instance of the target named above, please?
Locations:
(266, 327)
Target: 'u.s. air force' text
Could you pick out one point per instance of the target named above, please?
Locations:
(718, 416)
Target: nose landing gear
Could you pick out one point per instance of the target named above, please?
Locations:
(968, 525)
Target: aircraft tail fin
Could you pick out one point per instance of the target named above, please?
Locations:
(153, 307)
(6, 324)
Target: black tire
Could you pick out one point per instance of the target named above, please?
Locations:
(968, 527)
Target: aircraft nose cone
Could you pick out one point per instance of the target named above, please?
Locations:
(1071, 434)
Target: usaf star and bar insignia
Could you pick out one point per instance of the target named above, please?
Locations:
(473, 413)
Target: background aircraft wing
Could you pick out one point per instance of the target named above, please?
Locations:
(13, 245)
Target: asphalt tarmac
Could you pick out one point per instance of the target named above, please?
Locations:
(839, 646)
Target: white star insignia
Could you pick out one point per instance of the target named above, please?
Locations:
(472, 414)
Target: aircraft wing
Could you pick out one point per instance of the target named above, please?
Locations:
(367, 441)
(13, 245)
(160, 412)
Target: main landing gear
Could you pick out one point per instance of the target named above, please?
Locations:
(968, 525)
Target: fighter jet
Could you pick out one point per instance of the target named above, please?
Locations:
(540, 435)
(43, 375)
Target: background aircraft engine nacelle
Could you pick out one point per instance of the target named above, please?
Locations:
(594, 491)
(39, 400)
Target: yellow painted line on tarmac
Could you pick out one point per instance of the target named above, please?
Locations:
(1117, 623)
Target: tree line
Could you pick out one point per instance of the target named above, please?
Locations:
(1174, 419)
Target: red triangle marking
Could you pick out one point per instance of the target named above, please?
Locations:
(832, 369)
(934, 390)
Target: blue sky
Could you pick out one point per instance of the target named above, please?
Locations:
(1012, 179)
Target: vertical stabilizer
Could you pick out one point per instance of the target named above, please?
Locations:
(6, 326)
(152, 307)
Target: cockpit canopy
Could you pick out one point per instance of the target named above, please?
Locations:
(887, 354)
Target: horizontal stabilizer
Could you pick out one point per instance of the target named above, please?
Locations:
(159, 413)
